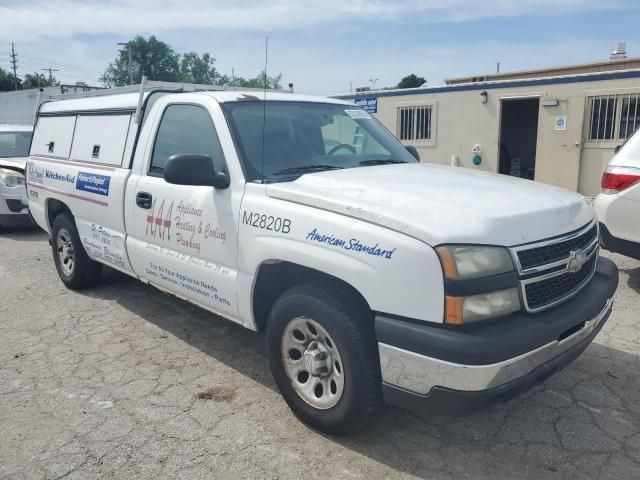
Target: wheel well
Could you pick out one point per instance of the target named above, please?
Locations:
(273, 279)
(55, 208)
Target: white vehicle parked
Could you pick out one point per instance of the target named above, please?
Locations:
(441, 288)
(618, 205)
(14, 152)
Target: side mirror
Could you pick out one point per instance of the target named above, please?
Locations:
(413, 151)
(193, 169)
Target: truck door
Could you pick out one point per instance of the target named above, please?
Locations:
(183, 238)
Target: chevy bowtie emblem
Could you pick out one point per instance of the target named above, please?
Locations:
(577, 259)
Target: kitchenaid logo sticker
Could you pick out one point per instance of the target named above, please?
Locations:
(184, 224)
(93, 183)
(34, 174)
(59, 177)
(352, 244)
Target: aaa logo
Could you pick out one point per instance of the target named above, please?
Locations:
(159, 225)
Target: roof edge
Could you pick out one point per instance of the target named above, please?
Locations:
(494, 84)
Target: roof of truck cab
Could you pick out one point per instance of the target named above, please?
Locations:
(14, 127)
(229, 96)
(129, 101)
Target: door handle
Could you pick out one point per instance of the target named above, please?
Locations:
(143, 200)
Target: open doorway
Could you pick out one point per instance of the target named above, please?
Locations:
(518, 137)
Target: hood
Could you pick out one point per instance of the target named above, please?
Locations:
(439, 204)
(15, 163)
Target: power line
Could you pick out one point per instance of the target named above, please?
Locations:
(50, 60)
(40, 63)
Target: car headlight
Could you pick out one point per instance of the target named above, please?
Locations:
(462, 262)
(11, 178)
(469, 269)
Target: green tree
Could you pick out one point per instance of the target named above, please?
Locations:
(200, 69)
(411, 81)
(150, 57)
(259, 81)
(7, 81)
(38, 80)
(158, 61)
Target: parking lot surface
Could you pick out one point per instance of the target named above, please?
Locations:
(125, 381)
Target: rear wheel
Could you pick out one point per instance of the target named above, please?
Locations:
(323, 356)
(76, 270)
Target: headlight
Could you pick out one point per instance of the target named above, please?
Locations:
(468, 266)
(464, 262)
(11, 178)
(470, 309)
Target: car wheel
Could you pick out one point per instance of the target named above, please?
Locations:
(76, 270)
(324, 358)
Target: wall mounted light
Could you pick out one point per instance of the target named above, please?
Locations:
(550, 103)
(484, 96)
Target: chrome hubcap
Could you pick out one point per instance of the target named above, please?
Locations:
(312, 362)
(65, 251)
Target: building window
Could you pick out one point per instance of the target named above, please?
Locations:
(415, 122)
(629, 116)
(612, 117)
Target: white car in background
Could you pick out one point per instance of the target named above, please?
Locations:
(618, 205)
(14, 151)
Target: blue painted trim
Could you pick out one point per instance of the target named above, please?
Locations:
(491, 85)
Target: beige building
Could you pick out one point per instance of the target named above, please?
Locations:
(560, 129)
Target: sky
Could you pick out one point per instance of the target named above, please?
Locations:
(323, 47)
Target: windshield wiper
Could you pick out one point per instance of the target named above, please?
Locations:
(381, 162)
(307, 168)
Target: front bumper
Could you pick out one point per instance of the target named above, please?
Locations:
(454, 370)
(14, 206)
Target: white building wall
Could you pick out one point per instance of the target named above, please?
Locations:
(461, 120)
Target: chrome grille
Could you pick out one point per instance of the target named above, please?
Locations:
(553, 252)
(554, 270)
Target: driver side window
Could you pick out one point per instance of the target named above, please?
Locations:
(186, 129)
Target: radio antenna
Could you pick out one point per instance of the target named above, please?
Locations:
(264, 103)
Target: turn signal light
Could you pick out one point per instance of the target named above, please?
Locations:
(616, 179)
(453, 310)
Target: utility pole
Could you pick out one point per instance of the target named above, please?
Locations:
(14, 64)
(129, 60)
(50, 70)
(498, 67)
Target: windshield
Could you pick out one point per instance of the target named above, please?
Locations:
(14, 144)
(304, 137)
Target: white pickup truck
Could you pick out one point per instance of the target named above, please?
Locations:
(14, 150)
(374, 276)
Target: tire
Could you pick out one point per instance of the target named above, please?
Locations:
(344, 329)
(77, 271)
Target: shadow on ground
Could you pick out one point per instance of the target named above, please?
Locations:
(556, 427)
(23, 234)
(634, 278)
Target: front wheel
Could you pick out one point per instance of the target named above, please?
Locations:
(76, 270)
(323, 356)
